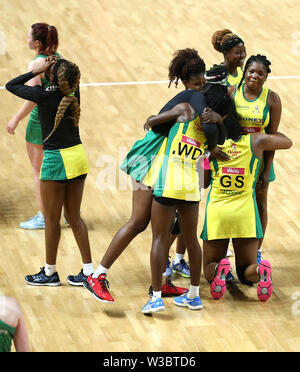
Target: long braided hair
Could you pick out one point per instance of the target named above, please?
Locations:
(258, 58)
(184, 65)
(66, 78)
(217, 98)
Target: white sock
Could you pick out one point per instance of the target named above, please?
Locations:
(194, 291)
(156, 294)
(178, 258)
(88, 269)
(50, 269)
(100, 270)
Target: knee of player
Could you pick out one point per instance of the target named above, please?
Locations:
(240, 271)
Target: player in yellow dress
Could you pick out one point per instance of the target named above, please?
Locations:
(259, 110)
(231, 212)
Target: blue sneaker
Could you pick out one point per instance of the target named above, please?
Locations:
(168, 272)
(34, 223)
(42, 279)
(153, 305)
(258, 257)
(192, 303)
(181, 268)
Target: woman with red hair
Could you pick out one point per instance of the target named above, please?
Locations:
(43, 40)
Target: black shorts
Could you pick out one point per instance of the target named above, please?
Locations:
(81, 177)
(172, 202)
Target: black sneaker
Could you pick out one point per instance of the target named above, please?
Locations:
(77, 280)
(42, 279)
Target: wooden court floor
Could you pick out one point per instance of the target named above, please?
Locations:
(133, 41)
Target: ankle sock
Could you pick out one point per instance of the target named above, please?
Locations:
(178, 258)
(193, 292)
(50, 269)
(156, 294)
(88, 269)
(100, 270)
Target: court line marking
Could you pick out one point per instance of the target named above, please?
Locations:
(158, 82)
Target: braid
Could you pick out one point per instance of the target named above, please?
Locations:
(258, 58)
(67, 77)
(186, 63)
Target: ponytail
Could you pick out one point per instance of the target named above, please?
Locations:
(48, 37)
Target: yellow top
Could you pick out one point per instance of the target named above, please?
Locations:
(173, 174)
(231, 210)
(253, 116)
(235, 79)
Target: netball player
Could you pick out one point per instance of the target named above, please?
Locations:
(189, 67)
(43, 40)
(259, 111)
(64, 166)
(231, 212)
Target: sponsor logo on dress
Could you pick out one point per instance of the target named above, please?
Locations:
(251, 129)
(232, 170)
(191, 141)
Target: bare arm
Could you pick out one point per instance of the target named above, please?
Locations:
(27, 106)
(11, 314)
(180, 112)
(275, 115)
(269, 142)
(20, 337)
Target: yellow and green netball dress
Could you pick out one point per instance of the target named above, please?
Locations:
(177, 177)
(6, 335)
(235, 79)
(144, 157)
(33, 129)
(253, 116)
(231, 209)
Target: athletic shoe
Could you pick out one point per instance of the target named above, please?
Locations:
(153, 305)
(35, 222)
(218, 285)
(99, 288)
(258, 257)
(77, 280)
(181, 268)
(265, 285)
(42, 279)
(169, 289)
(192, 303)
(168, 272)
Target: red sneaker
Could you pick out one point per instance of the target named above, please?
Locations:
(99, 288)
(169, 289)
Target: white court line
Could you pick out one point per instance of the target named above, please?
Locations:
(160, 82)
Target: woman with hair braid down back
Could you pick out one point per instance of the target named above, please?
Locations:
(43, 39)
(64, 166)
(233, 49)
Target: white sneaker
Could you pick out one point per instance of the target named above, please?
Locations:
(34, 223)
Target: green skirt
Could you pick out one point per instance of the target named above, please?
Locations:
(64, 164)
(34, 129)
(141, 156)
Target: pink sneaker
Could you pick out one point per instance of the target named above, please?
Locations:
(218, 285)
(265, 285)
